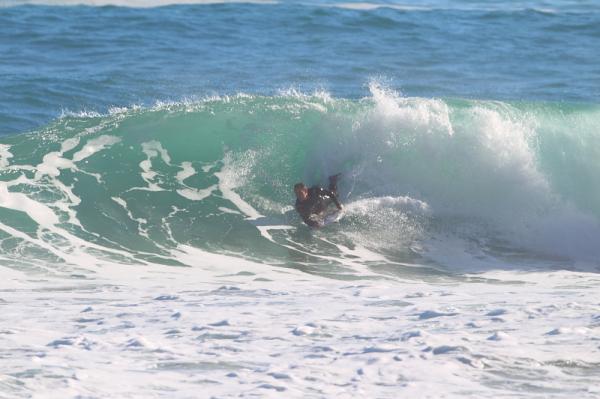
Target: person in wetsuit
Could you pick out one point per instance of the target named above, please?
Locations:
(315, 200)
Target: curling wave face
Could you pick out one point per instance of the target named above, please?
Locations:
(451, 184)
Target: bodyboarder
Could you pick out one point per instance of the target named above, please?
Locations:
(313, 202)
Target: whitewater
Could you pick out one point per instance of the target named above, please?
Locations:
(149, 246)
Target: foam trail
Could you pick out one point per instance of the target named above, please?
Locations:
(5, 155)
(230, 177)
(140, 221)
(187, 170)
(93, 146)
(152, 149)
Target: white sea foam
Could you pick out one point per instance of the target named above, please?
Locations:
(250, 329)
(152, 149)
(141, 222)
(93, 146)
(233, 175)
(368, 206)
(196, 194)
(5, 155)
(187, 170)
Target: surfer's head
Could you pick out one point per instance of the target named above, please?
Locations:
(301, 191)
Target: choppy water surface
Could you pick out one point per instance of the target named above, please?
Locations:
(146, 222)
(91, 58)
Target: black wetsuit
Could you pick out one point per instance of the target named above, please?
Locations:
(318, 200)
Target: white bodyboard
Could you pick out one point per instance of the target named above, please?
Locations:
(332, 217)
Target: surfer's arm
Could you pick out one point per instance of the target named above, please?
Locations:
(306, 218)
(337, 203)
(333, 196)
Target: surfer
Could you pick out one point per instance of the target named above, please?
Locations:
(315, 200)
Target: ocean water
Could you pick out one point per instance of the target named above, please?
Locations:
(148, 241)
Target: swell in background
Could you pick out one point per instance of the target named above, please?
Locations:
(94, 58)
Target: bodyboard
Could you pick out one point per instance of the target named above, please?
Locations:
(332, 217)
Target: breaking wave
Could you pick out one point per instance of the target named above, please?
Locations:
(445, 183)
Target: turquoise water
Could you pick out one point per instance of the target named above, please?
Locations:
(467, 133)
(512, 183)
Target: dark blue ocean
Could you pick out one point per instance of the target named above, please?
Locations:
(90, 58)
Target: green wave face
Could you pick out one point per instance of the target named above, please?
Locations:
(422, 180)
